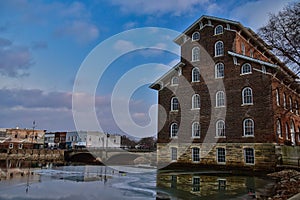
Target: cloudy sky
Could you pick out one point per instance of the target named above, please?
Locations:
(44, 43)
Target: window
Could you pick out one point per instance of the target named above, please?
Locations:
(251, 53)
(287, 131)
(195, 54)
(174, 104)
(195, 75)
(292, 132)
(221, 155)
(173, 153)
(291, 104)
(249, 155)
(195, 36)
(277, 97)
(219, 48)
(218, 29)
(246, 69)
(243, 48)
(174, 130)
(220, 128)
(220, 99)
(175, 80)
(248, 125)
(219, 70)
(263, 69)
(296, 108)
(195, 154)
(11, 145)
(247, 96)
(284, 100)
(222, 184)
(196, 101)
(278, 128)
(20, 146)
(196, 184)
(196, 130)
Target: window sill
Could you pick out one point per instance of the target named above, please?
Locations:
(195, 40)
(247, 104)
(242, 74)
(195, 82)
(216, 56)
(195, 137)
(195, 61)
(248, 136)
(174, 111)
(195, 109)
(250, 164)
(221, 163)
(219, 77)
(220, 136)
(175, 137)
(174, 85)
(220, 106)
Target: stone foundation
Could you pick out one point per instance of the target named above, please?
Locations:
(264, 156)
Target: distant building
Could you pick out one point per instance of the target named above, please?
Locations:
(55, 140)
(16, 138)
(92, 139)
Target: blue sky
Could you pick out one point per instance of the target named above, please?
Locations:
(43, 44)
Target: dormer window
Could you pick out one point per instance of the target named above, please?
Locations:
(243, 48)
(246, 69)
(209, 22)
(201, 25)
(228, 26)
(218, 29)
(175, 80)
(196, 36)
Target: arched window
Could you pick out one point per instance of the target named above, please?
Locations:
(175, 80)
(247, 96)
(195, 75)
(220, 128)
(196, 101)
(220, 99)
(196, 129)
(195, 36)
(293, 132)
(196, 54)
(248, 126)
(246, 69)
(218, 29)
(284, 100)
(278, 128)
(174, 104)
(219, 48)
(291, 104)
(277, 97)
(296, 108)
(173, 130)
(287, 131)
(219, 70)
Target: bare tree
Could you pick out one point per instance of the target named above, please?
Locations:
(282, 34)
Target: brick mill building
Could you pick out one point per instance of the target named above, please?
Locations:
(229, 102)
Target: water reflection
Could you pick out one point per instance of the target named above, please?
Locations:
(215, 186)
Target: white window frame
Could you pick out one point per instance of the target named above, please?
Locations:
(243, 48)
(175, 80)
(196, 101)
(219, 48)
(217, 70)
(247, 98)
(220, 129)
(284, 100)
(196, 128)
(248, 157)
(296, 108)
(220, 99)
(243, 70)
(196, 77)
(219, 30)
(195, 54)
(221, 156)
(174, 105)
(246, 128)
(277, 97)
(174, 130)
(11, 145)
(291, 104)
(278, 128)
(174, 153)
(20, 146)
(287, 131)
(194, 35)
(193, 155)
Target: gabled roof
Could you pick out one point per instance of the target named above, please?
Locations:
(152, 86)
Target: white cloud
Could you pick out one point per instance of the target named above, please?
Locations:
(256, 13)
(130, 25)
(124, 46)
(176, 7)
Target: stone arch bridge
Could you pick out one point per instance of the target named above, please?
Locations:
(112, 156)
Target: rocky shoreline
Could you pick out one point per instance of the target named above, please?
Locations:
(286, 186)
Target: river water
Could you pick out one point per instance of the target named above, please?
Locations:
(47, 182)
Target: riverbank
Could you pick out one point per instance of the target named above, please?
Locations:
(287, 185)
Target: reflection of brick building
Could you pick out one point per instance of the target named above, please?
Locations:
(16, 138)
(228, 89)
(55, 140)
